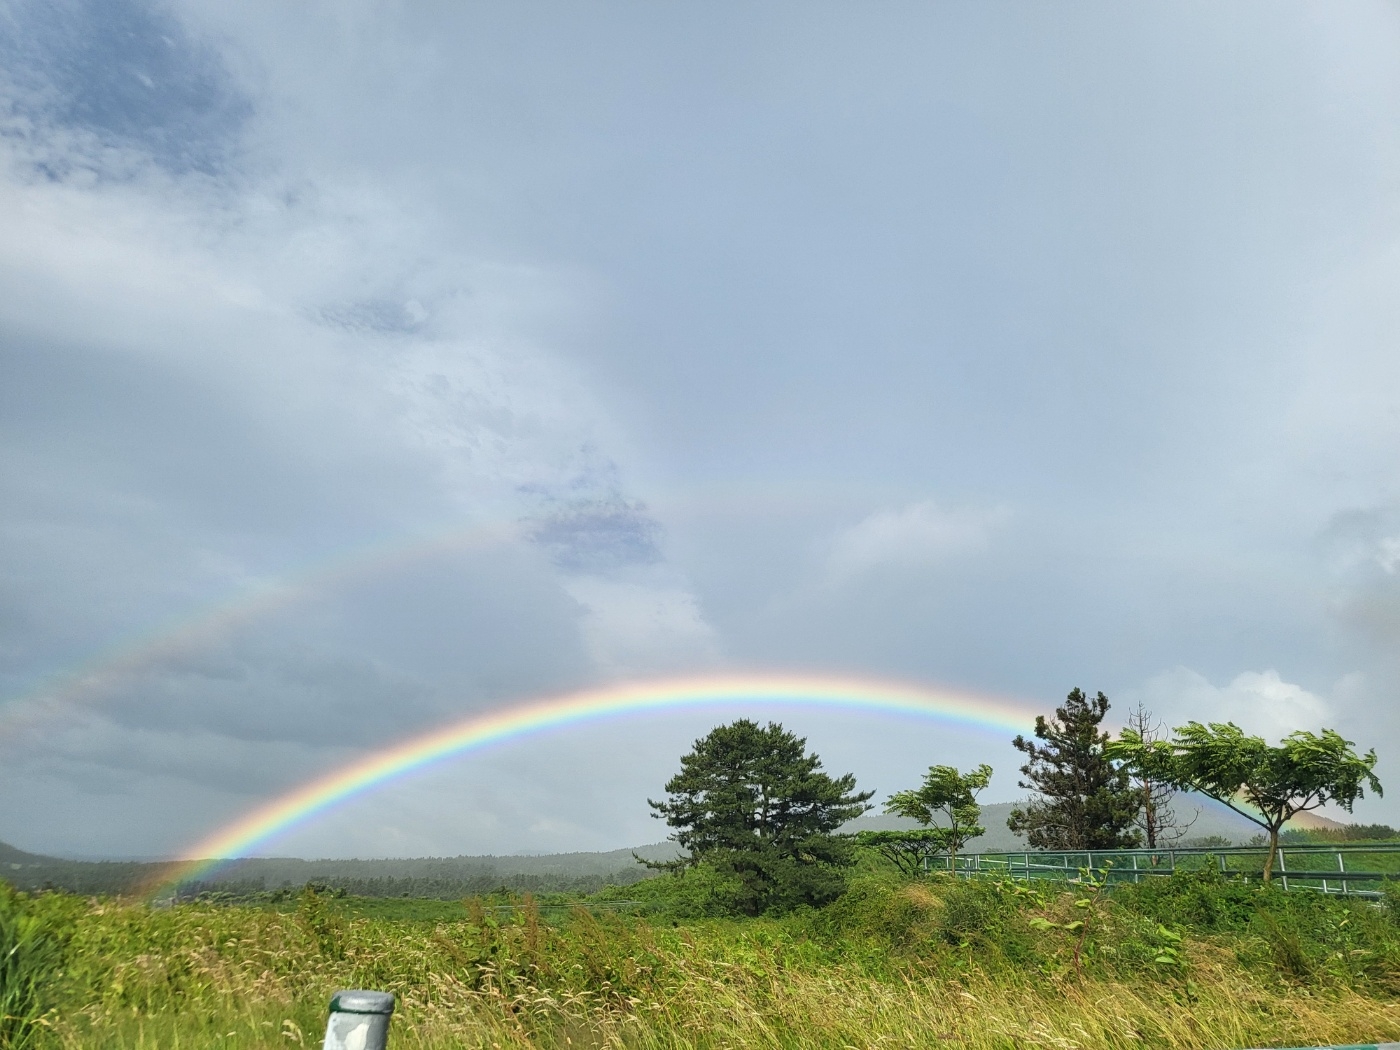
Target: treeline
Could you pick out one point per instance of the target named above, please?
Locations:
(1344, 834)
(484, 882)
(759, 819)
(440, 877)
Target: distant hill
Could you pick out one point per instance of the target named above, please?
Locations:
(443, 877)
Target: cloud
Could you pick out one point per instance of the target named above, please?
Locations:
(1388, 553)
(1260, 702)
(598, 535)
(920, 534)
(120, 75)
(297, 292)
(643, 627)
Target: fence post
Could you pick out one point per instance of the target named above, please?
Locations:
(1343, 869)
(359, 1021)
(1283, 867)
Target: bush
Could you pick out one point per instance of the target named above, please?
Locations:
(1204, 899)
(32, 937)
(699, 892)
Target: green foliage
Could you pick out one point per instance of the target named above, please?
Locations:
(698, 891)
(1345, 833)
(974, 962)
(906, 850)
(1086, 802)
(1265, 784)
(1207, 842)
(33, 933)
(949, 796)
(753, 805)
(1203, 899)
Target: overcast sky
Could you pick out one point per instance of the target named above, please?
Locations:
(365, 365)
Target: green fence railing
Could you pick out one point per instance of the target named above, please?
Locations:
(1362, 870)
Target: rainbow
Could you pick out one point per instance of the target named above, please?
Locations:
(313, 799)
(130, 656)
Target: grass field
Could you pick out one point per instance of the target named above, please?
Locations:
(1183, 962)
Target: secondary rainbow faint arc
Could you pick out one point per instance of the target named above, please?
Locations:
(130, 655)
(320, 795)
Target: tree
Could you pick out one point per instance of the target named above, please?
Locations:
(948, 794)
(1156, 818)
(750, 801)
(906, 850)
(1086, 802)
(1264, 784)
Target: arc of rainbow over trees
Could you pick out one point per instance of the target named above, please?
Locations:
(317, 797)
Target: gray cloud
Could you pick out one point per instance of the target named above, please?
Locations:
(364, 368)
(598, 535)
(128, 74)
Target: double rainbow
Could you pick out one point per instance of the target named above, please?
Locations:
(317, 797)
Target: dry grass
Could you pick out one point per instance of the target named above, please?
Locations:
(888, 970)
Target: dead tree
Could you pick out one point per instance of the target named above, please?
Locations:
(1158, 822)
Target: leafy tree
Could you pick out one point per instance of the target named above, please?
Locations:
(1086, 801)
(1156, 819)
(1265, 784)
(949, 796)
(750, 801)
(906, 850)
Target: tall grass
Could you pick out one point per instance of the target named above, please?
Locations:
(974, 963)
(32, 940)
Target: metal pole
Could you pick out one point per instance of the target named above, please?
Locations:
(1343, 869)
(1136, 876)
(1283, 867)
(359, 1021)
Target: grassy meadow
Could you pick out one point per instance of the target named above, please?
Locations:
(1191, 961)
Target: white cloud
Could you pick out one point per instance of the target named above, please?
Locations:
(1388, 553)
(633, 627)
(916, 535)
(1260, 702)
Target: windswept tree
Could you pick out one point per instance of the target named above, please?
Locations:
(945, 804)
(1268, 785)
(750, 801)
(1157, 818)
(1085, 801)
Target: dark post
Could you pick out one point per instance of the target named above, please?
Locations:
(359, 1021)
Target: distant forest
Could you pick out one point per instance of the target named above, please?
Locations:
(445, 878)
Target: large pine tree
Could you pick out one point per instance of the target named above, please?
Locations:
(1084, 802)
(750, 802)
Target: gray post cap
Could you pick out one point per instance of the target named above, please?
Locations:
(354, 1001)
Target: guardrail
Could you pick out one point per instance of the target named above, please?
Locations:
(1352, 870)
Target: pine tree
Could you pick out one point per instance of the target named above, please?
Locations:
(750, 802)
(1084, 802)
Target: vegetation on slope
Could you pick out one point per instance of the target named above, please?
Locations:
(1191, 961)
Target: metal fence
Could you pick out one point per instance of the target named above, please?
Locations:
(1353, 870)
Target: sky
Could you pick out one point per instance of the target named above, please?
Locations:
(368, 365)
